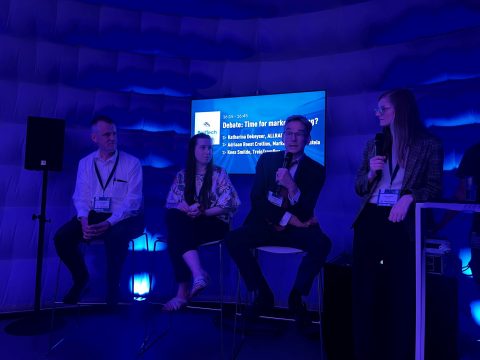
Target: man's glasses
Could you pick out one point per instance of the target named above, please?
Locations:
(291, 134)
(380, 110)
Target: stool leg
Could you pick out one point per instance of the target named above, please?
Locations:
(133, 270)
(146, 241)
(220, 250)
(151, 267)
(320, 312)
(238, 303)
(150, 276)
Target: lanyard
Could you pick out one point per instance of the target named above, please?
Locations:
(395, 171)
(109, 176)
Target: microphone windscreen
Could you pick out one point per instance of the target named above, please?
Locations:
(287, 160)
(379, 144)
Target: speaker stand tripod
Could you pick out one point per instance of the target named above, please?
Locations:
(37, 322)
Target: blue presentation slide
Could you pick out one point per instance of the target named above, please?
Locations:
(242, 128)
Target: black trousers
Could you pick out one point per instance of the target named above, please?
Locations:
(69, 236)
(383, 287)
(185, 233)
(311, 240)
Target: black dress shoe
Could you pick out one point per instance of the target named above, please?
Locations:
(262, 304)
(113, 294)
(298, 308)
(75, 293)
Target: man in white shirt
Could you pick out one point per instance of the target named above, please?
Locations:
(108, 199)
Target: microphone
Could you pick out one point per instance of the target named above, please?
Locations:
(379, 145)
(287, 160)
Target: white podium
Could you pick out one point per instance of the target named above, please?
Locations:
(420, 267)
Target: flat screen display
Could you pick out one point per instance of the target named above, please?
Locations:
(242, 128)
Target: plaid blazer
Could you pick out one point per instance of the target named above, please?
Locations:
(423, 172)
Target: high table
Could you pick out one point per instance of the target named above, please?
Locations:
(420, 267)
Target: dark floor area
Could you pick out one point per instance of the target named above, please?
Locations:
(101, 333)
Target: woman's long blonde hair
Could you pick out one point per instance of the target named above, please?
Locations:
(407, 125)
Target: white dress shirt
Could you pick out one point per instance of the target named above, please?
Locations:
(125, 187)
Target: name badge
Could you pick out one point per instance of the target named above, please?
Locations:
(275, 199)
(388, 197)
(102, 203)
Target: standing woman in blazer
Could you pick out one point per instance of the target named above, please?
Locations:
(399, 168)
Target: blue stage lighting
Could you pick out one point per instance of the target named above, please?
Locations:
(463, 119)
(475, 310)
(465, 255)
(141, 285)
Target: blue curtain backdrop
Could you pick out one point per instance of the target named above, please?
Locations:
(142, 62)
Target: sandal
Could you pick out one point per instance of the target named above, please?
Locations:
(175, 304)
(199, 283)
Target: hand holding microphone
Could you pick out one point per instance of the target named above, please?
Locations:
(87, 234)
(94, 230)
(100, 228)
(376, 166)
(378, 161)
(283, 176)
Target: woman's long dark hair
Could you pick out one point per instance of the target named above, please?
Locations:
(190, 174)
(408, 126)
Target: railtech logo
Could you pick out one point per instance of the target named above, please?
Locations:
(208, 122)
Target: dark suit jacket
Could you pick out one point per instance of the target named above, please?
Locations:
(309, 178)
(423, 172)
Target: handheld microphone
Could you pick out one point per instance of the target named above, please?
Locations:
(379, 143)
(379, 146)
(287, 160)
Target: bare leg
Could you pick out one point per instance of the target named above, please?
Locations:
(180, 300)
(183, 291)
(200, 277)
(193, 262)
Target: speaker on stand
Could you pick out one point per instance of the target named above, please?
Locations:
(337, 307)
(43, 152)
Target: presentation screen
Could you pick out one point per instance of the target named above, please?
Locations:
(242, 128)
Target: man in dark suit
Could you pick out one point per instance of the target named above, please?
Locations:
(283, 202)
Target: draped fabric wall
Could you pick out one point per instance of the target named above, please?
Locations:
(141, 63)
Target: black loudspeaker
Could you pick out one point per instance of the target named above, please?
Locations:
(441, 315)
(44, 145)
(441, 318)
(337, 312)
